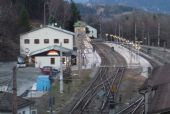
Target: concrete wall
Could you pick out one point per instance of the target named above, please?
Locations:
(45, 33)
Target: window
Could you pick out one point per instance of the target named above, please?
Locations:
(66, 41)
(56, 40)
(36, 41)
(52, 61)
(34, 112)
(46, 41)
(23, 112)
(26, 41)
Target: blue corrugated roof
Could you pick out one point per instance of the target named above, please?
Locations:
(43, 83)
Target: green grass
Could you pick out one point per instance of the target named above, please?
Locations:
(70, 89)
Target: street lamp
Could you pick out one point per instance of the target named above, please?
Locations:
(138, 47)
(45, 5)
(111, 36)
(106, 36)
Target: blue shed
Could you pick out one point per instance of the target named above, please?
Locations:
(43, 83)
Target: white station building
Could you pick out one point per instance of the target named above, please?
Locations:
(44, 45)
(92, 32)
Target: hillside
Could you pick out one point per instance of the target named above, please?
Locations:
(9, 31)
(159, 6)
(117, 17)
(20, 16)
(106, 11)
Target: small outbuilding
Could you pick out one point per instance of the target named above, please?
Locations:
(50, 56)
(24, 106)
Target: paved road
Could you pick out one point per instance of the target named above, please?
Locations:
(26, 77)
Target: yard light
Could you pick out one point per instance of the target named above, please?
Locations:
(139, 47)
(106, 35)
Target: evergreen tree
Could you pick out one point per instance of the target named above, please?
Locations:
(87, 30)
(75, 15)
(24, 19)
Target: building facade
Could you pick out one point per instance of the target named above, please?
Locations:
(44, 46)
(80, 27)
(92, 32)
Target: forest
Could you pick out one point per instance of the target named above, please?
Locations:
(20, 16)
(129, 23)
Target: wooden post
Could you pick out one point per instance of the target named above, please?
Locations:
(14, 100)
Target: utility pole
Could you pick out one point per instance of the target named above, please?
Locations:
(119, 34)
(79, 62)
(122, 31)
(61, 70)
(50, 93)
(44, 13)
(143, 33)
(135, 33)
(100, 29)
(148, 39)
(14, 100)
(46, 2)
(158, 34)
(119, 30)
(115, 28)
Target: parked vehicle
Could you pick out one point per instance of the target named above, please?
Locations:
(46, 70)
(49, 70)
(55, 71)
(21, 62)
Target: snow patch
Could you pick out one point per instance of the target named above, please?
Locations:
(92, 58)
(33, 93)
(133, 60)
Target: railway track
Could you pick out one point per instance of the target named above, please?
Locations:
(135, 107)
(107, 80)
